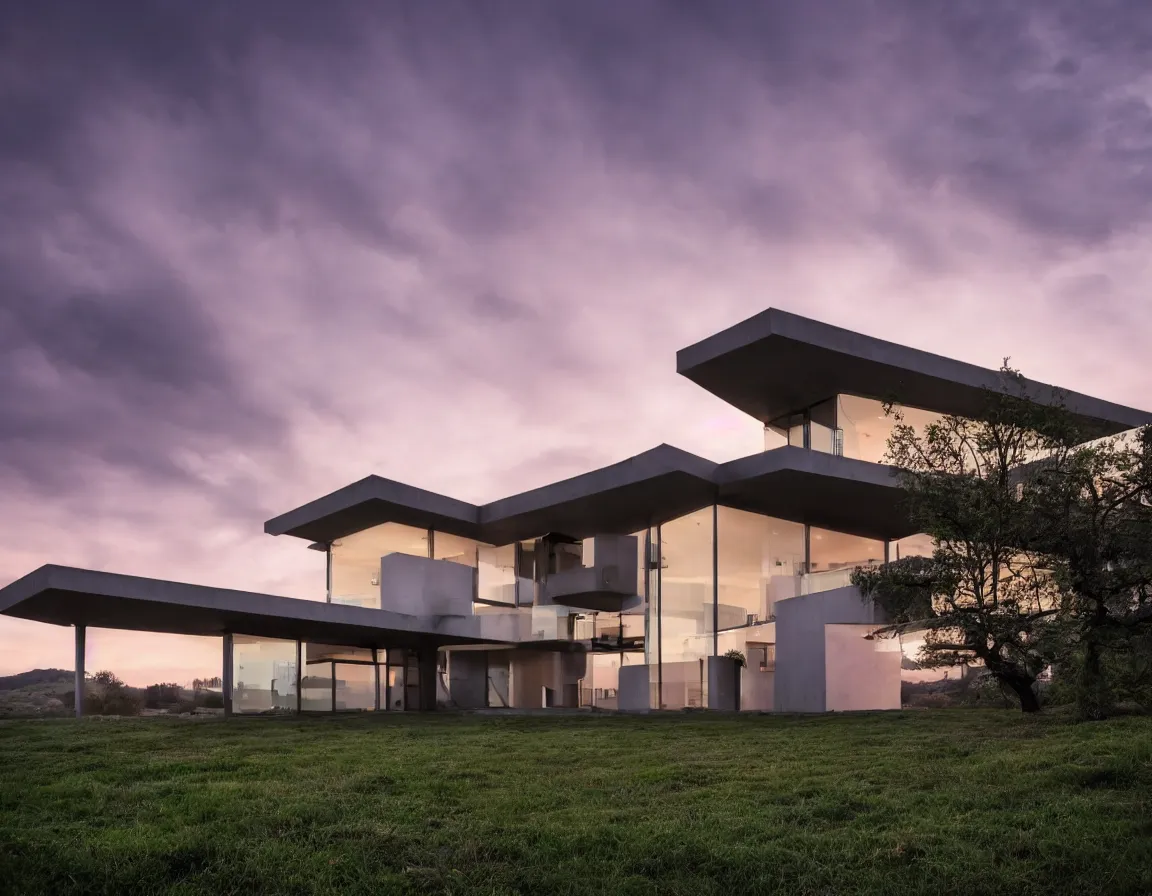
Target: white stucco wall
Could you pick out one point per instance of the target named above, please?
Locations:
(860, 673)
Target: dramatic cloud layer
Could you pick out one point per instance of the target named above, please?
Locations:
(252, 252)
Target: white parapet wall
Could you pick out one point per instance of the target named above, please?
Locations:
(860, 672)
(419, 586)
(808, 667)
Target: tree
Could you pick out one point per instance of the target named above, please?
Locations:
(163, 694)
(1094, 522)
(985, 594)
(111, 696)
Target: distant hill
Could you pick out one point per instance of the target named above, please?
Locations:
(35, 676)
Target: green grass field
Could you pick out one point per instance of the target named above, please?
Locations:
(936, 802)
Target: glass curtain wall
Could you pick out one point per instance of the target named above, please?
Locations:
(846, 425)
(759, 562)
(456, 549)
(496, 575)
(687, 599)
(866, 428)
(332, 677)
(355, 561)
(263, 675)
(833, 556)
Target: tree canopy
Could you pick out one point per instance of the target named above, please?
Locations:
(1042, 543)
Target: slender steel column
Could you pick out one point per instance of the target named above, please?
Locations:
(659, 619)
(715, 580)
(376, 677)
(226, 678)
(79, 673)
(300, 667)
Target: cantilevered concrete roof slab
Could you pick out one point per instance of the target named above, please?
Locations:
(659, 484)
(778, 363)
(64, 595)
(374, 500)
(656, 485)
(653, 487)
(822, 490)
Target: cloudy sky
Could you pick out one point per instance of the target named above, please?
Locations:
(252, 252)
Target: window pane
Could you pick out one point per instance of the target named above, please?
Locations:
(316, 688)
(835, 554)
(822, 427)
(356, 560)
(497, 575)
(264, 675)
(355, 686)
(686, 602)
(454, 548)
(760, 560)
(866, 427)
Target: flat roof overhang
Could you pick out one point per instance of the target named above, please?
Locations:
(651, 487)
(776, 363)
(655, 485)
(822, 490)
(659, 485)
(371, 501)
(63, 595)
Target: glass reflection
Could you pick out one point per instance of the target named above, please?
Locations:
(355, 686)
(834, 555)
(760, 560)
(356, 561)
(496, 575)
(866, 427)
(686, 602)
(455, 549)
(264, 674)
(316, 688)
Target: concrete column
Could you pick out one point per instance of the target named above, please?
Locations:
(426, 666)
(376, 678)
(723, 683)
(226, 678)
(468, 678)
(81, 631)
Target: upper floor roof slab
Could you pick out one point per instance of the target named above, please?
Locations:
(646, 490)
(777, 363)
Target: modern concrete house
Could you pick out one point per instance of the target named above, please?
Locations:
(622, 588)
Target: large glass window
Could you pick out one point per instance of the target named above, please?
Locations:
(760, 560)
(263, 674)
(866, 427)
(355, 686)
(912, 546)
(496, 575)
(834, 555)
(455, 549)
(686, 602)
(822, 434)
(356, 560)
(316, 688)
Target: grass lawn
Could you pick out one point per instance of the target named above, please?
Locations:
(934, 802)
